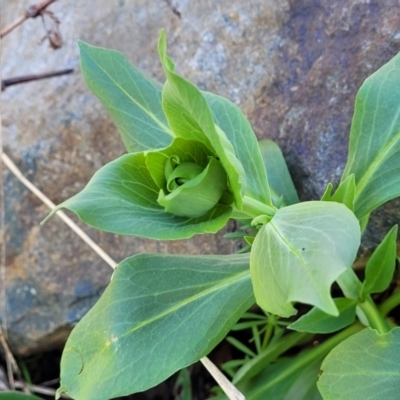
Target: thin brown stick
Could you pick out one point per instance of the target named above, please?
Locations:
(3, 272)
(29, 78)
(12, 366)
(40, 389)
(32, 12)
(18, 174)
(230, 390)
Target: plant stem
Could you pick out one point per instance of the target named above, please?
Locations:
(350, 284)
(254, 208)
(318, 352)
(321, 350)
(375, 318)
(351, 287)
(392, 302)
(268, 331)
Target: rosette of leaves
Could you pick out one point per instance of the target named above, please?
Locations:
(187, 153)
(192, 163)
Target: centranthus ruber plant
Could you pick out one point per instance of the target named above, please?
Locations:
(192, 163)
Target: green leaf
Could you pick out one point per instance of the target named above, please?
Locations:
(185, 150)
(316, 321)
(300, 253)
(381, 265)
(122, 198)
(18, 396)
(199, 195)
(239, 132)
(344, 194)
(282, 188)
(159, 314)
(375, 140)
(364, 366)
(132, 100)
(183, 385)
(190, 117)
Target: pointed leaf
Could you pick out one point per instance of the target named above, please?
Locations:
(239, 132)
(282, 188)
(133, 101)
(374, 145)
(364, 366)
(190, 117)
(300, 253)
(316, 321)
(344, 194)
(159, 314)
(380, 267)
(122, 198)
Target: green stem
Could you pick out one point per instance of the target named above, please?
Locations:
(375, 318)
(392, 302)
(350, 284)
(254, 208)
(268, 331)
(318, 352)
(325, 347)
(351, 287)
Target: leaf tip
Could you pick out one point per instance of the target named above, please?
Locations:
(59, 392)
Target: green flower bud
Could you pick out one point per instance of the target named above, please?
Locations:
(191, 189)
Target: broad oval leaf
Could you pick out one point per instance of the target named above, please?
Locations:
(299, 254)
(159, 314)
(122, 197)
(374, 146)
(364, 366)
(132, 100)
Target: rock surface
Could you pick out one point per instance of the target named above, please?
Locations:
(294, 67)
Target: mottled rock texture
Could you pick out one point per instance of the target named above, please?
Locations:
(293, 66)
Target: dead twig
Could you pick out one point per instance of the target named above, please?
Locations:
(40, 389)
(32, 12)
(29, 78)
(53, 33)
(12, 366)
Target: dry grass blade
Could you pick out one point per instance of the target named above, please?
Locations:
(40, 390)
(229, 389)
(18, 174)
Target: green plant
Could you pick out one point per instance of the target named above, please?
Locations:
(193, 163)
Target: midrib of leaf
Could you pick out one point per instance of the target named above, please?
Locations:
(225, 282)
(376, 163)
(152, 116)
(205, 293)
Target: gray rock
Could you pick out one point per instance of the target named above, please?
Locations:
(294, 67)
